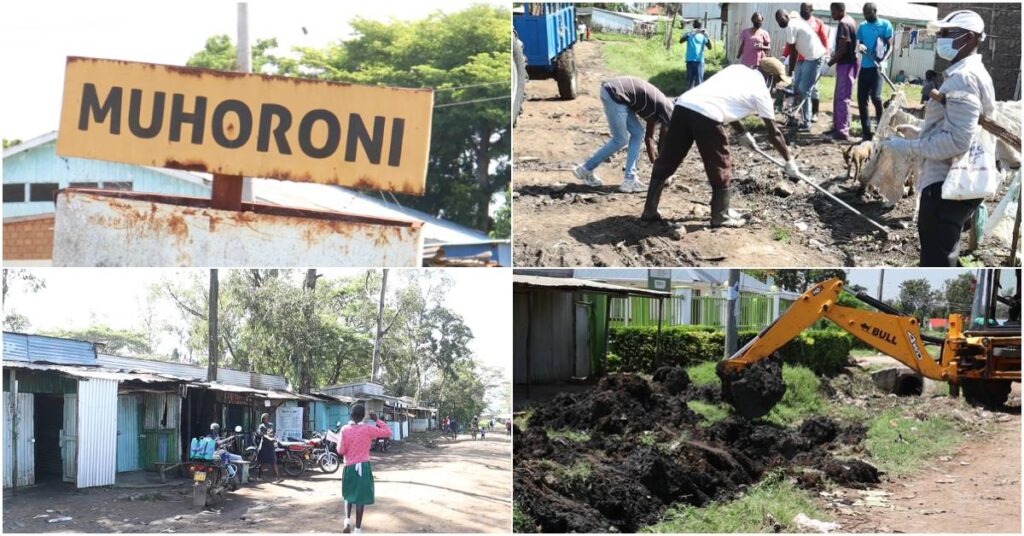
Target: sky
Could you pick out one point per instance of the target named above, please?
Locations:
(80, 297)
(868, 277)
(36, 37)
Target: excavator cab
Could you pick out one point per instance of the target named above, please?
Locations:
(979, 355)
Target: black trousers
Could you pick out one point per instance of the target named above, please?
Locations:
(687, 127)
(939, 224)
(869, 85)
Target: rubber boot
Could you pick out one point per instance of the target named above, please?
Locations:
(720, 209)
(814, 110)
(653, 199)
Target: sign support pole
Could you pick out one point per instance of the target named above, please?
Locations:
(227, 192)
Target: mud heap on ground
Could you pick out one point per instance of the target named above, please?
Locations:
(614, 458)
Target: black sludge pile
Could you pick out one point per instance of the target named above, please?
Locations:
(621, 453)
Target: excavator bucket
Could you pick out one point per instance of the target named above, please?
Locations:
(755, 390)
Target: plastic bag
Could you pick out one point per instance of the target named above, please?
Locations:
(973, 175)
(1000, 223)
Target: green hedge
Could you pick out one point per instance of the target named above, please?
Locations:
(632, 348)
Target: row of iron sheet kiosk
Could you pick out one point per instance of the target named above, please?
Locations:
(77, 415)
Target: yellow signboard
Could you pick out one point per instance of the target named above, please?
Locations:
(246, 124)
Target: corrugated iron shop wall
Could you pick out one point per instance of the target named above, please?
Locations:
(97, 430)
(520, 324)
(128, 433)
(551, 351)
(25, 447)
(161, 435)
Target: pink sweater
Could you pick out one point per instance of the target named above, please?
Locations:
(356, 439)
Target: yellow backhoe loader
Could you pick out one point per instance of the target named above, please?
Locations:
(979, 356)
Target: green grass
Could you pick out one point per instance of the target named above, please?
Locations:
(780, 234)
(774, 495)
(520, 521)
(648, 439)
(710, 413)
(969, 261)
(703, 374)
(648, 59)
(521, 420)
(803, 397)
(577, 475)
(571, 435)
(901, 445)
(863, 352)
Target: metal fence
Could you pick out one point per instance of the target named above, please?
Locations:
(756, 311)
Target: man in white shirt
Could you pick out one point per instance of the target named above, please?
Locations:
(808, 44)
(699, 116)
(950, 127)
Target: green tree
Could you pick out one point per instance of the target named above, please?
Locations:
(503, 218)
(797, 280)
(114, 340)
(10, 143)
(13, 320)
(915, 297)
(464, 56)
(960, 293)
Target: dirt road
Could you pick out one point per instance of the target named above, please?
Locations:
(560, 222)
(460, 487)
(977, 489)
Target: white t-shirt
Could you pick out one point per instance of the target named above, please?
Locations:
(730, 95)
(581, 28)
(800, 32)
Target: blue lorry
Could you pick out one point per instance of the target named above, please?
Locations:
(543, 36)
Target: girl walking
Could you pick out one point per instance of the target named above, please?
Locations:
(357, 477)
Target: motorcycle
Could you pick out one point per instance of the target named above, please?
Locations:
(211, 478)
(381, 444)
(324, 453)
(287, 453)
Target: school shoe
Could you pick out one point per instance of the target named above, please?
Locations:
(804, 127)
(632, 186)
(721, 215)
(586, 176)
(348, 526)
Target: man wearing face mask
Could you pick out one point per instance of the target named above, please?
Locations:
(948, 131)
(755, 43)
(699, 117)
(811, 46)
(875, 35)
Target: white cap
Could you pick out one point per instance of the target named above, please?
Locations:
(968, 20)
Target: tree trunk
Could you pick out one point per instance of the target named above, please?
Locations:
(374, 373)
(312, 331)
(211, 369)
(482, 158)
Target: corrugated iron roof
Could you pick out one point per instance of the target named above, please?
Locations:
(45, 349)
(96, 372)
(273, 395)
(570, 283)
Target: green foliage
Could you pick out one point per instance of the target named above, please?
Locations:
(900, 445)
(571, 435)
(916, 297)
(774, 495)
(823, 351)
(470, 144)
(520, 521)
(798, 280)
(503, 217)
(780, 234)
(703, 374)
(960, 293)
(116, 341)
(710, 413)
(10, 143)
(648, 59)
(803, 397)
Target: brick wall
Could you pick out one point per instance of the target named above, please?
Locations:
(29, 238)
(1001, 51)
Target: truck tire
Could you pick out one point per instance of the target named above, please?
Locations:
(519, 77)
(565, 75)
(991, 394)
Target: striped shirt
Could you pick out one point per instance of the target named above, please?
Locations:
(949, 129)
(645, 100)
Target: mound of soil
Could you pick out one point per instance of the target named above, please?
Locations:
(756, 390)
(638, 449)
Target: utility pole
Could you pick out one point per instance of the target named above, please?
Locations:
(244, 61)
(380, 328)
(671, 26)
(211, 368)
(881, 281)
(732, 314)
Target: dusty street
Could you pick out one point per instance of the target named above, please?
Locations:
(560, 222)
(454, 487)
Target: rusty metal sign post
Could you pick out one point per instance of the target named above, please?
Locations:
(234, 124)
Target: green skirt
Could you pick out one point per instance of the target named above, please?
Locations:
(357, 488)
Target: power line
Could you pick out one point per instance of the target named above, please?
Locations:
(471, 101)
